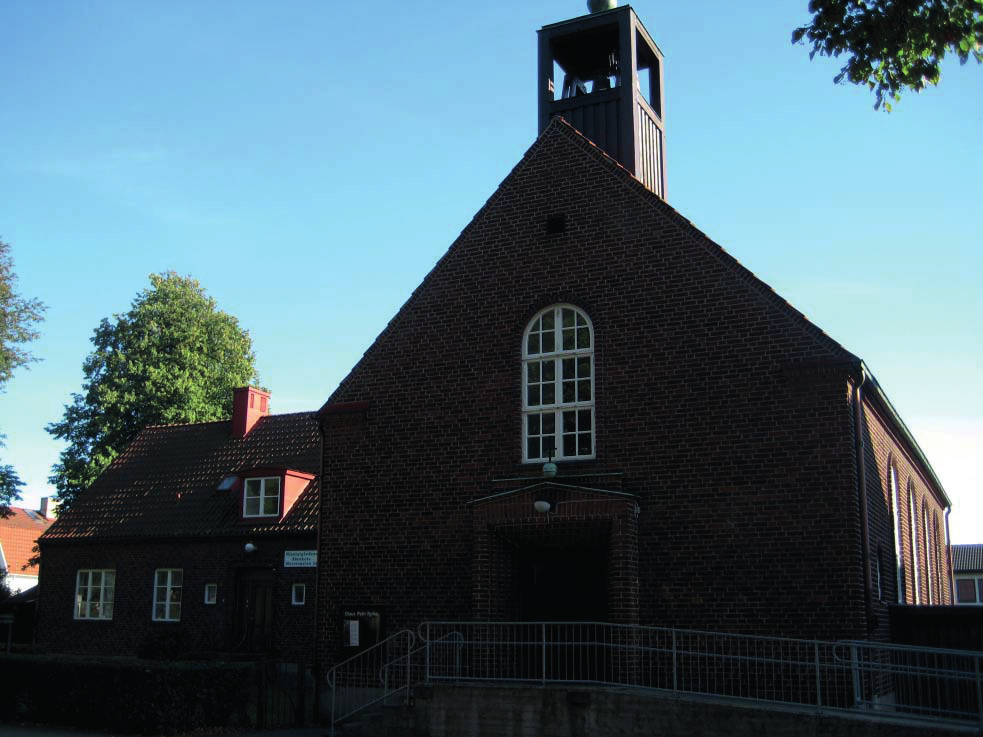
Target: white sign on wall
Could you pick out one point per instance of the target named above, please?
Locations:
(300, 559)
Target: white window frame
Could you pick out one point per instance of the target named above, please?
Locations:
(298, 594)
(913, 539)
(95, 601)
(168, 583)
(211, 593)
(262, 497)
(929, 544)
(895, 499)
(536, 407)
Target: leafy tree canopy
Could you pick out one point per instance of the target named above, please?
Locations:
(894, 45)
(10, 486)
(173, 358)
(17, 319)
(18, 316)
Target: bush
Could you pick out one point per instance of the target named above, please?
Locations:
(143, 697)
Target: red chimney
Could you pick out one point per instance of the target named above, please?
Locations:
(248, 405)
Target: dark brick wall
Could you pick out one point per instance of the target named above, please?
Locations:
(203, 627)
(742, 462)
(885, 449)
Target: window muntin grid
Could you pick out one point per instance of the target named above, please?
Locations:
(95, 590)
(558, 386)
(167, 594)
(261, 497)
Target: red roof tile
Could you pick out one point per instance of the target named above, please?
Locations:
(18, 534)
(165, 483)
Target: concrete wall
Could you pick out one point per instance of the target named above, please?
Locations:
(482, 711)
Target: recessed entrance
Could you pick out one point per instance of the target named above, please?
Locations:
(562, 583)
(254, 611)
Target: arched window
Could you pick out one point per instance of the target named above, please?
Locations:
(895, 501)
(558, 385)
(913, 542)
(927, 541)
(943, 575)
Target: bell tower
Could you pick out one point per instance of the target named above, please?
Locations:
(611, 87)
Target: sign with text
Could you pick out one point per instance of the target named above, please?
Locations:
(361, 627)
(300, 559)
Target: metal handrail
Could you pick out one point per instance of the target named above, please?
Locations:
(363, 670)
(910, 682)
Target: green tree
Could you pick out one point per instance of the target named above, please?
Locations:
(18, 316)
(173, 358)
(894, 45)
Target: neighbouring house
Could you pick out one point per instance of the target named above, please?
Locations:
(967, 573)
(588, 410)
(198, 538)
(19, 532)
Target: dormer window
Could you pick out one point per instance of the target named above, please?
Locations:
(261, 497)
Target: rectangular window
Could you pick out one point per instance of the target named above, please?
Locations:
(969, 590)
(261, 497)
(167, 594)
(94, 593)
(211, 593)
(298, 594)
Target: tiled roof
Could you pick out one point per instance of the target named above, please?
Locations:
(967, 558)
(165, 483)
(18, 533)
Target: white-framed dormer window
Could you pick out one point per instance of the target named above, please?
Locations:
(558, 386)
(167, 594)
(298, 594)
(95, 590)
(211, 593)
(261, 497)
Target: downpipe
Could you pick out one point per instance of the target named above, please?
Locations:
(858, 409)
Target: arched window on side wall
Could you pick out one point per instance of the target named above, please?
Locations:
(913, 542)
(943, 573)
(558, 385)
(895, 501)
(929, 548)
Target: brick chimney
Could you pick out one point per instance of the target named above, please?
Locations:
(48, 508)
(248, 405)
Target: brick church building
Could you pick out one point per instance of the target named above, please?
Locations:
(588, 410)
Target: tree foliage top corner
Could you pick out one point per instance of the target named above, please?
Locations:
(893, 46)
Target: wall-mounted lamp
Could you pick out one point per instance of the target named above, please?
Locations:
(542, 506)
(250, 548)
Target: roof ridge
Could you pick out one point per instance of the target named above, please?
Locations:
(394, 320)
(758, 285)
(219, 422)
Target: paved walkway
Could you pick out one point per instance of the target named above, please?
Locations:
(17, 730)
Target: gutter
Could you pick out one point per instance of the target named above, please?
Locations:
(867, 378)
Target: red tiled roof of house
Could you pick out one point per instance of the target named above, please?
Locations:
(165, 483)
(18, 535)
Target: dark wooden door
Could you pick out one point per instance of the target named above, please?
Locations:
(254, 611)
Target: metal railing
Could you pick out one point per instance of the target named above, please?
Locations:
(886, 679)
(377, 675)
(860, 676)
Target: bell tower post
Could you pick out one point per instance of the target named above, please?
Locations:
(611, 88)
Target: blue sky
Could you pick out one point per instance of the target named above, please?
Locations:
(309, 162)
